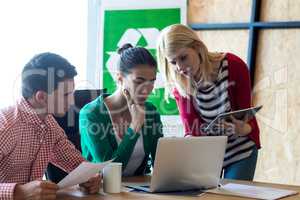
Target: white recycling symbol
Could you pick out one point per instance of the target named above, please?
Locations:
(133, 36)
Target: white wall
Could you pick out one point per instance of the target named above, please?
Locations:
(34, 26)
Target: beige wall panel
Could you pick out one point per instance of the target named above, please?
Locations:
(277, 87)
(214, 11)
(280, 10)
(235, 41)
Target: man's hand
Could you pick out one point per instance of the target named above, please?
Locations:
(36, 190)
(92, 186)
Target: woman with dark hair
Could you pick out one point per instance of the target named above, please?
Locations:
(123, 126)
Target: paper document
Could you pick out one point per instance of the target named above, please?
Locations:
(82, 173)
(255, 192)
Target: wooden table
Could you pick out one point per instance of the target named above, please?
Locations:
(74, 193)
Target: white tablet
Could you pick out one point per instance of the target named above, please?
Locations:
(238, 114)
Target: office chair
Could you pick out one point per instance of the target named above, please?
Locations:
(70, 124)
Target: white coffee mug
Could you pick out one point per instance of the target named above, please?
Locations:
(112, 178)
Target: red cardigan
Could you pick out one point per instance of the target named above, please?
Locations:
(239, 92)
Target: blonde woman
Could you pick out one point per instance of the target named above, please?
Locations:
(206, 84)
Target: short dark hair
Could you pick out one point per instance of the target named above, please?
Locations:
(130, 57)
(43, 72)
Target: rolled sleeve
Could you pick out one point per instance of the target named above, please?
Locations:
(66, 156)
(7, 191)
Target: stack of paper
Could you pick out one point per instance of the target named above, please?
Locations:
(255, 192)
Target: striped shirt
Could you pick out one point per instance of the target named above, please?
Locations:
(213, 100)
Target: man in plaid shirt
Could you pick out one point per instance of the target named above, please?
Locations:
(30, 137)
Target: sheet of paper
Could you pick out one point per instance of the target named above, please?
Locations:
(255, 192)
(82, 173)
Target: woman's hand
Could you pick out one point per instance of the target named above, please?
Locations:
(238, 127)
(137, 113)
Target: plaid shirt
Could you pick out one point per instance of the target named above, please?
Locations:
(28, 144)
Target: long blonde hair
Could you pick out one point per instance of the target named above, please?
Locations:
(179, 36)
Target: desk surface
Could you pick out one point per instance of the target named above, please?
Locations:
(75, 194)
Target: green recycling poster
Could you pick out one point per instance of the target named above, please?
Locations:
(138, 22)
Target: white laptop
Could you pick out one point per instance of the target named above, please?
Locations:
(183, 164)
